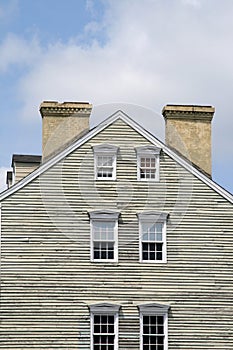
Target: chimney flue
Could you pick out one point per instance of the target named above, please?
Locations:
(188, 130)
(62, 122)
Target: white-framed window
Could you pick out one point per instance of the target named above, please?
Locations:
(104, 237)
(105, 158)
(152, 237)
(153, 326)
(148, 163)
(104, 326)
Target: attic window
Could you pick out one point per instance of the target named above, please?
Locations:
(105, 161)
(148, 163)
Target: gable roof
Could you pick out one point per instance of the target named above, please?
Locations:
(124, 117)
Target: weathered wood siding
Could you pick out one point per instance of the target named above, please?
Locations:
(48, 280)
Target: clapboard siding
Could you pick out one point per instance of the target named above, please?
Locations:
(48, 280)
(23, 169)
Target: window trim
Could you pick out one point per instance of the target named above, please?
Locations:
(105, 309)
(104, 216)
(105, 149)
(153, 217)
(154, 309)
(148, 151)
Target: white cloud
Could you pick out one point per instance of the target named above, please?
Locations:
(15, 50)
(90, 6)
(194, 3)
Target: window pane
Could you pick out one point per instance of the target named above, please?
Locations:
(145, 237)
(146, 340)
(143, 162)
(160, 320)
(145, 251)
(103, 254)
(97, 319)
(160, 340)
(96, 328)
(160, 330)
(153, 230)
(110, 254)
(104, 328)
(152, 162)
(159, 237)
(103, 250)
(152, 255)
(152, 236)
(104, 161)
(103, 231)
(96, 253)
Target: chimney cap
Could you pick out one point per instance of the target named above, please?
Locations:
(180, 111)
(25, 158)
(64, 108)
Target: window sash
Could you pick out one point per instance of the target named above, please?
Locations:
(104, 240)
(152, 251)
(103, 250)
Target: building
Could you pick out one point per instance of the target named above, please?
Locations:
(115, 240)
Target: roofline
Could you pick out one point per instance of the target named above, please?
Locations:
(123, 116)
(25, 158)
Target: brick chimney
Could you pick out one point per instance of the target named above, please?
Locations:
(62, 123)
(188, 130)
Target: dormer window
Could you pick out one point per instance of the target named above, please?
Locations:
(148, 163)
(105, 156)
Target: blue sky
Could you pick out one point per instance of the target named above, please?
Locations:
(129, 54)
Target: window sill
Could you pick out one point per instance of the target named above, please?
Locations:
(153, 262)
